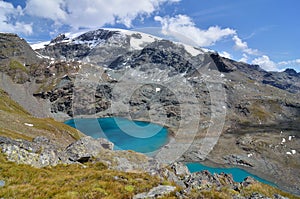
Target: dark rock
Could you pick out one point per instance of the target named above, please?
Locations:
(59, 38)
(291, 72)
(221, 64)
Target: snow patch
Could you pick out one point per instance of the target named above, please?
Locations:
(39, 45)
(28, 124)
(192, 50)
(293, 151)
(139, 43)
(291, 137)
(157, 89)
(288, 153)
(250, 155)
(283, 140)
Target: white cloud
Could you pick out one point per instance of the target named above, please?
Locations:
(265, 63)
(53, 9)
(225, 54)
(290, 62)
(183, 28)
(8, 19)
(93, 13)
(244, 58)
(243, 46)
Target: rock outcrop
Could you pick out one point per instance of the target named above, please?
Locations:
(43, 152)
(86, 148)
(156, 192)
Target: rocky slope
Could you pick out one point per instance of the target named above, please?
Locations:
(201, 97)
(94, 155)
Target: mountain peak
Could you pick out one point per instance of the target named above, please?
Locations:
(291, 72)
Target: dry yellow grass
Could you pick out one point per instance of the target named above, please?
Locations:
(71, 181)
(227, 193)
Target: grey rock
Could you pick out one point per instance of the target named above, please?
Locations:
(204, 180)
(85, 148)
(172, 177)
(156, 192)
(277, 196)
(180, 169)
(237, 160)
(248, 181)
(43, 152)
(257, 196)
(41, 140)
(39, 153)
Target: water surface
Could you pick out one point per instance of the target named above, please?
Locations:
(126, 134)
(238, 174)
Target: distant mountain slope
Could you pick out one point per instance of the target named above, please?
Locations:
(108, 47)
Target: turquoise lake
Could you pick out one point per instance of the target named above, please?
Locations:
(143, 137)
(238, 174)
(126, 134)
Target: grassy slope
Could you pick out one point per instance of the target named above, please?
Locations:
(13, 118)
(72, 181)
(227, 193)
(96, 181)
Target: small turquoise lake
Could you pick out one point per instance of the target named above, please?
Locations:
(238, 174)
(126, 134)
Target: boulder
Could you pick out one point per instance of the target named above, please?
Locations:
(248, 181)
(86, 148)
(156, 192)
(180, 169)
(43, 152)
(39, 153)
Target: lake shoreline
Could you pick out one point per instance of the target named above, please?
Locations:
(278, 184)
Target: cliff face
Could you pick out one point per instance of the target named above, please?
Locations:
(130, 74)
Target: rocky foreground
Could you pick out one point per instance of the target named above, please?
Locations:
(86, 152)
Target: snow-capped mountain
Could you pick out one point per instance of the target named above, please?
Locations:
(137, 40)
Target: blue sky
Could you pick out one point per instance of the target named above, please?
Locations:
(264, 32)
